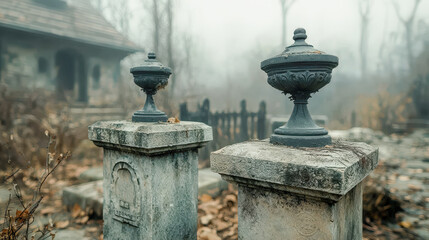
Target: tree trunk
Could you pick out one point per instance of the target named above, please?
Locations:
(284, 14)
(156, 25)
(284, 9)
(170, 50)
(364, 46)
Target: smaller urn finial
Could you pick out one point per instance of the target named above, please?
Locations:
(299, 34)
(151, 77)
(151, 55)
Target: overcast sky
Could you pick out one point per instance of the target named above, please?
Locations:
(227, 31)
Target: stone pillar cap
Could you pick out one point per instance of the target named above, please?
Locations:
(149, 138)
(327, 172)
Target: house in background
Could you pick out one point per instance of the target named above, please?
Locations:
(64, 46)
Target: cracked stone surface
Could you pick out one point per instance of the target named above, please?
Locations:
(331, 170)
(149, 137)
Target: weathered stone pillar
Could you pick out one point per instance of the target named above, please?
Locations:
(150, 178)
(299, 184)
(297, 193)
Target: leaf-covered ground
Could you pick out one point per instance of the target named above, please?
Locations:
(395, 204)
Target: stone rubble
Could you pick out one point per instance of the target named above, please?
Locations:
(405, 164)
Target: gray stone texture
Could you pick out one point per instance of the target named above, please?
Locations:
(92, 174)
(297, 193)
(150, 178)
(334, 170)
(210, 183)
(268, 214)
(71, 234)
(90, 195)
(87, 196)
(149, 137)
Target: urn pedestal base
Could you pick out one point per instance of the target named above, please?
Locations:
(301, 130)
(301, 141)
(142, 116)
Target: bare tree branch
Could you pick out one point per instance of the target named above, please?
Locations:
(285, 6)
(408, 24)
(170, 53)
(156, 25)
(398, 14)
(364, 11)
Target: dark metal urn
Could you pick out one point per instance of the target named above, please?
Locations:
(299, 71)
(151, 77)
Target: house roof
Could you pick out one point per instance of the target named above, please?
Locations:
(75, 20)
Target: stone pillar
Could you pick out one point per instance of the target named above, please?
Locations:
(150, 178)
(297, 193)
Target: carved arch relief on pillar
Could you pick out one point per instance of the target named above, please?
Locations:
(310, 220)
(125, 197)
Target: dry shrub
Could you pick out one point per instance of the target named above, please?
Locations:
(379, 205)
(379, 112)
(419, 89)
(16, 223)
(25, 117)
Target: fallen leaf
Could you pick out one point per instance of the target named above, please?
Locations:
(76, 211)
(82, 220)
(206, 233)
(173, 120)
(405, 224)
(62, 224)
(220, 225)
(205, 198)
(230, 200)
(404, 178)
(205, 220)
(414, 187)
(47, 210)
(91, 229)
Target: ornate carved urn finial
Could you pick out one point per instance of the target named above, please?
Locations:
(299, 71)
(151, 77)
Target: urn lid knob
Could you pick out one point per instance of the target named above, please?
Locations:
(152, 65)
(151, 55)
(299, 34)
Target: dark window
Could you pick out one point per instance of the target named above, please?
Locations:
(96, 76)
(43, 65)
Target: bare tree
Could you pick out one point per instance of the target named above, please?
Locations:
(364, 12)
(170, 50)
(408, 24)
(285, 6)
(156, 18)
(118, 13)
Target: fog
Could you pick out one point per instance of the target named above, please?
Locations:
(229, 39)
(225, 31)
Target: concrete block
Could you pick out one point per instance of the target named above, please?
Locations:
(149, 138)
(267, 214)
(92, 174)
(297, 193)
(333, 171)
(210, 183)
(86, 195)
(150, 178)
